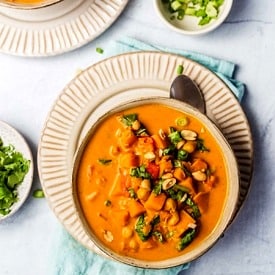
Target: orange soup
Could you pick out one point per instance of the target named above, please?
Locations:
(25, 1)
(151, 182)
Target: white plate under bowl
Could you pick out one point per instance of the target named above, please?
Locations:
(58, 28)
(11, 136)
(106, 83)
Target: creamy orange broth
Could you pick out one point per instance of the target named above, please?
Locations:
(94, 182)
(25, 1)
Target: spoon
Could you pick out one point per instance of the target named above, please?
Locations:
(185, 89)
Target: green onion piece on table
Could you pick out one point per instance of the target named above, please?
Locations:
(38, 194)
(180, 70)
(99, 50)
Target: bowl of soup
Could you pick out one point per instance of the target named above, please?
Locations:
(155, 183)
(27, 4)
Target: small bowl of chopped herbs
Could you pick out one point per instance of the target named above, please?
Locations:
(16, 170)
(193, 17)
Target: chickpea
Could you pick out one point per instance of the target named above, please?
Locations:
(174, 219)
(147, 229)
(146, 184)
(136, 125)
(127, 232)
(114, 150)
(170, 205)
(133, 244)
(190, 146)
(143, 193)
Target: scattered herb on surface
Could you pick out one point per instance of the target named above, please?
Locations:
(13, 168)
(38, 194)
(179, 69)
(99, 50)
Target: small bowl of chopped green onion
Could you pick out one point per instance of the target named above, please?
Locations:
(193, 17)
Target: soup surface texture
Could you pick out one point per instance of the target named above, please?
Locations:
(25, 1)
(151, 182)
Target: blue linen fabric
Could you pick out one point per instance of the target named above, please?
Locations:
(68, 257)
(224, 69)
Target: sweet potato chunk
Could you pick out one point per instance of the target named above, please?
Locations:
(155, 202)
(159, 142)
(199, 165)
(127, 138)
(202, 200)
(135, 208)
(145, 144)
(120, 217)
(188, 183)
(165, 165)
(183, 224)
(128, 160)
(179, 174)
(119, 186)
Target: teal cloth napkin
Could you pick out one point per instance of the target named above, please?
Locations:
(224, 69)
(68, 256)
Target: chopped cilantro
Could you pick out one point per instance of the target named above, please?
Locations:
(128, 120)
(201, 146)
(186, 239)
(13, 168)
(195, 209)
(157, 188)
(132, 193)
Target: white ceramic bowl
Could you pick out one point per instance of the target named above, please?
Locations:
(189, 24)
(41, 4)
(230, 203)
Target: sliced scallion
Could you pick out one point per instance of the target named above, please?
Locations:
(99, 50)
(180, 69)
(38, 194)
(205, 10)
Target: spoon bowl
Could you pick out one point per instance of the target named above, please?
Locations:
(185, 89)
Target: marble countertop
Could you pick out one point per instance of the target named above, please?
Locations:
(29, 86)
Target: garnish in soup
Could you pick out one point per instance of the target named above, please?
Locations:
(151, 182)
